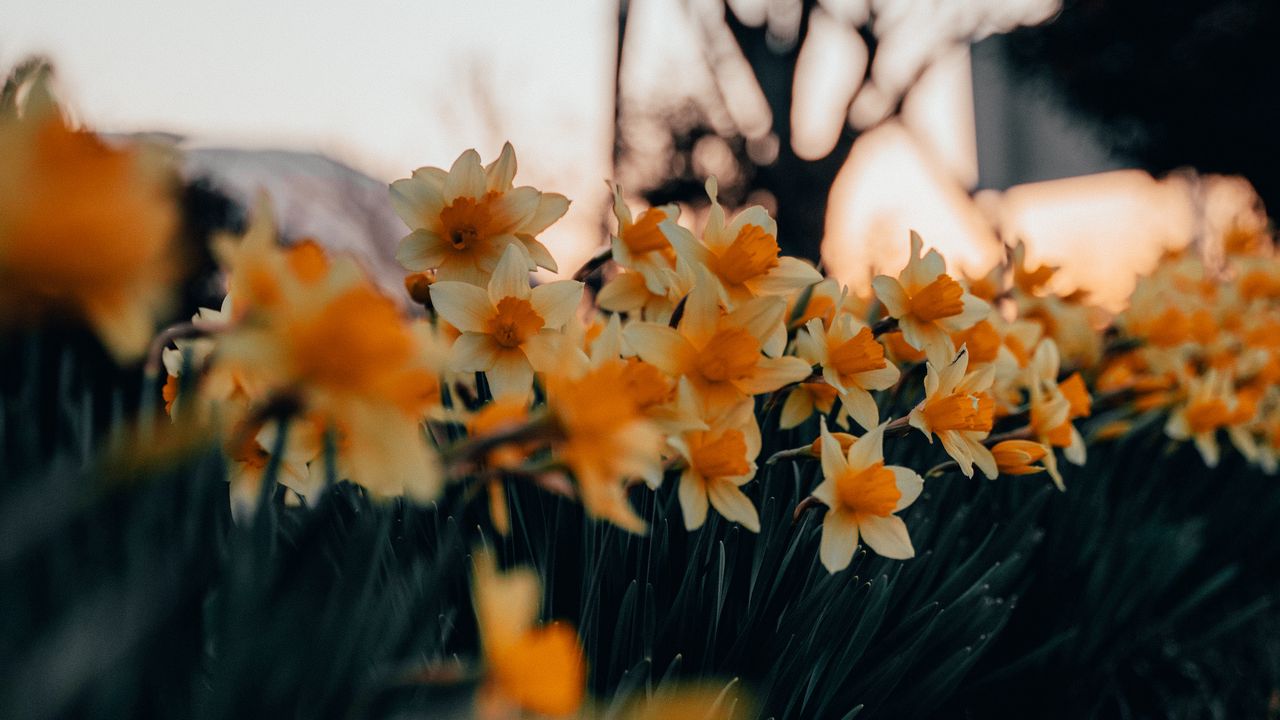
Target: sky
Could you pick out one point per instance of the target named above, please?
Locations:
(387, 86)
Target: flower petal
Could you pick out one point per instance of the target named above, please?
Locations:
(543, 350)
(770, 374)
(626, 292)
(473, 352)
(511, 277)
(421, 250)
(861, 407)
(418, 202)
(551, 207)
(834, 463)
(538, 252)
(790, 275)
(556, 301)
(887, 536)
(839, 540)
(502, 171)
(462, 305)
(510, 376)
(729, 500)
(868, 449)
(466, 178)
(660, 346)
(909, 483)
(891, 294)
(693, 500)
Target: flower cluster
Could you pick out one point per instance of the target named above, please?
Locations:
(1202, 340)
(676, 356)
(694, 341)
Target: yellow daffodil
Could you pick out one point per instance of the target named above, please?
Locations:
(1054, 405)
(928, 304)
(960, 412)
(509, 330)
(356, 366)
(462, 220)
(605, 439)
(719, 460)
(641, 245)
(1209, 407)
(528, 667)
(852, 362)
(742, 255)
(86, 229)
(728, 358)
(862, 494)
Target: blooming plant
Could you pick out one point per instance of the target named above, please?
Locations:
(694, 398)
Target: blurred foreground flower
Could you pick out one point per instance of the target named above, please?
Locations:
(535, 668)
(85, 228)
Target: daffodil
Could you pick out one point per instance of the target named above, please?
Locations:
(1208, 408)
(852, 362)
(729, 357)
(86, 229)
(862, 494)
(509, 330)
(605, 439)
(358, 368)
(742, 254)
(641, 245)
(528, 667)
(928, 304)
(959, 411)
(719, 460)
(1054, 405)
(462, 220)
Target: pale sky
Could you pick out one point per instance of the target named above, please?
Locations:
(387, 86)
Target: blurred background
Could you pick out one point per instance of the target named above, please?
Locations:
(1098, 132)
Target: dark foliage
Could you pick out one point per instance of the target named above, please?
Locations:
(1144, 591)
(1168, 84)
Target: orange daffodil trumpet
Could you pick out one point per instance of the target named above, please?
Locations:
(862, 494)
(528, 667)
(928, 304)
(462, 220)
(509, 330)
